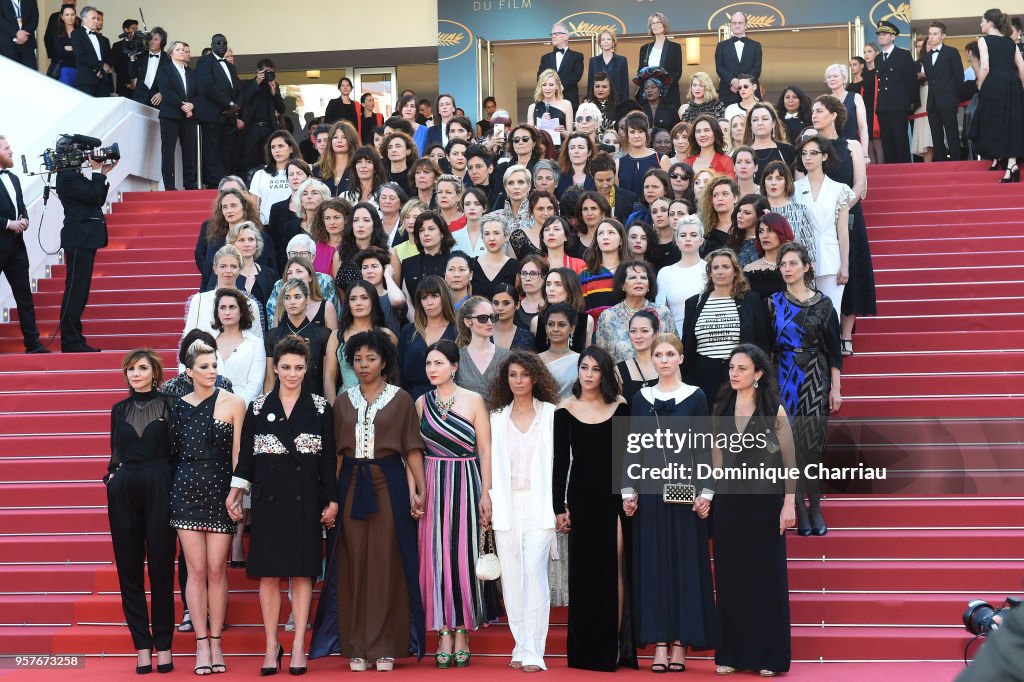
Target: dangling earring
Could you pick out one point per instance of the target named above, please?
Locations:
(453, 376)
(755, 382)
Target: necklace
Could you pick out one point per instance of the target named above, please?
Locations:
(559, 352)
(299, 330)
(443, 406)
(770, 264)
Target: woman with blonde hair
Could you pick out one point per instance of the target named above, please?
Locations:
(614, 66)
(837, 77)
(479, 357)
(550, 104)
(664, 53)
(702, 99)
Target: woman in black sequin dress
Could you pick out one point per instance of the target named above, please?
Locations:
(205, 439)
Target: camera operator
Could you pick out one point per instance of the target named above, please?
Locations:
(261, 105)
(18, 22)
(13, 255)
(147, 66)
(177, 86)
(121, 61)
(1001, 655)
(217, 108)
(92, 54)
(85, 231)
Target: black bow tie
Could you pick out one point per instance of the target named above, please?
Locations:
(154, 56)
(561, 50)
(221, 59)
(3, 171)
(93, 33)
(738, 39)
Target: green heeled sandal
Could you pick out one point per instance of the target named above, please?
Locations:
(462, 657)
(442, 658)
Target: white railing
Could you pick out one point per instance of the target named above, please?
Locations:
(36, 110)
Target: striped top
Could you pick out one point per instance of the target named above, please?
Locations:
(598, 292)
(718, 328)
(450, 437)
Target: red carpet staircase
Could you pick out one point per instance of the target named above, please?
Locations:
(888, 582)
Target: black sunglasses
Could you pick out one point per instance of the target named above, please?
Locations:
(484, 319)
(678, 176)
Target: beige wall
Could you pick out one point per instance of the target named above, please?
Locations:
(948, 9)
(259, 27)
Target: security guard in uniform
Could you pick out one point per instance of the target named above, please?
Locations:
(898, 94)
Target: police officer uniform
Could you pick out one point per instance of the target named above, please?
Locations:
(898, 92)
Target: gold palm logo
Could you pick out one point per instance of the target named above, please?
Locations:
(450, 39)
(899, 12)
(586, 28)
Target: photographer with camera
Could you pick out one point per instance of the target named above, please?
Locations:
(1001, 655)
(261, 105)
(217, 108)
(123, 60)
(18, 22)
(13, 255)
(92, 55)
(85, 231)
(144, 85)
(177, 86)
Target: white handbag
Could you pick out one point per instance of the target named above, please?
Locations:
(487, 565)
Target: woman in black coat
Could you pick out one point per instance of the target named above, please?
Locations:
(727, 314)
(670, 59)
(287, 461)
(615, 65)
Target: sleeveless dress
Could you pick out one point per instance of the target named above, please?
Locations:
(202, 479)
(849, 130)
(632, 170)
(347, 375)
(449, 532)
(859, 296)
(998, 128)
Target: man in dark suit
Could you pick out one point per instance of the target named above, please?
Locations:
(19, 20)
(898, 92)
(92, 54)
(218, 108)
(85, 231)
(145, 88)
(177, 86)
(261, 105)
(123, 65)
(13, 255)
(945, 74)
(567, 63)
(737, 55)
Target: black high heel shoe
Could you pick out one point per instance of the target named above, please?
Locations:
(1013, 175)
(818, 526)
(803, 521)
(265, 672)
(295, 670)
(164, 667)
(213, 666)
(144, 669)
(998, 164)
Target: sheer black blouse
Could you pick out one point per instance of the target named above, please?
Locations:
(140, 430)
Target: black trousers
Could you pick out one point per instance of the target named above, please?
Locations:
(77, 283)
(14, 266)
(138, 505)
(173, 131)
(255, 135)
(218, 139)
(894, 130)
(945, 135)
(23, 54)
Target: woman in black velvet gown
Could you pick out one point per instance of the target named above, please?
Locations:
(600, 631)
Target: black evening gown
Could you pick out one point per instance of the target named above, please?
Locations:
(859, 296)
(630, 385)
(999, 123)
(672, 586)
(412, 356)
(596, 640)
(485, 287)
(765, 282)
(751, 584)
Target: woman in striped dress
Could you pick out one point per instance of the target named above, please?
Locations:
(455, 426)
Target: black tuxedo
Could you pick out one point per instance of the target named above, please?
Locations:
(898, 92)
(124, 68)
(216, 93)
(618, 73)
(672, 62)
(728, 66)
(25, 54)
(91, 78)
(143, 64)
(570, 73)
(174, 125)
(14, 259)
(945, 78)
(85, 231)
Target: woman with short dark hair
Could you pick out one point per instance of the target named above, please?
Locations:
(636, 287)
(433, 320)
(270, 182)
(434, 242)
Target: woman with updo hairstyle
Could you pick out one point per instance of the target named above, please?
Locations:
(138, 483)
(522, 398)
(638, 371)
(507, 334)
(472, 205)
(998, 126)
(685, 278)
(206, 428)
(479, 357)
(372, 568)
(456, 430)
(290, 506)
(458, 275)
(590, 513)
(294, 302)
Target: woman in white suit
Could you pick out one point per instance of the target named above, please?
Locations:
(523, 397)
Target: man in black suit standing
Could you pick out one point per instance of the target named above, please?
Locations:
(13, 255)
(945, 74)
(218, 108)
(19, 20)
(734, 56)
(145, 88)
(92, 54)
(122, 63)
(261, 105)
(85, 231)
(568, 63)
(898, 93)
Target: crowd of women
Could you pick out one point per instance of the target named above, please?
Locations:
(419, 353)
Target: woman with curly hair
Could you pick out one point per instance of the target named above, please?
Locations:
(523, 397)
(327, 230)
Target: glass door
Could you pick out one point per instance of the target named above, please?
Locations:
(379, 82)
(484, 73)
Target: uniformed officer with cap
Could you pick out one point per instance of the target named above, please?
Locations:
(898, 94)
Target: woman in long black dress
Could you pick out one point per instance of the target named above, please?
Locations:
(998, 128)
(637, 372)
(205, 434)
(750, 522)
(284, 427)
(672, 594)
(138, 484)
(600, 629)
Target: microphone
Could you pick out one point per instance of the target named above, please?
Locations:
(85, 140)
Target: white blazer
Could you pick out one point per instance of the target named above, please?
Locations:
(540, 468)
(832, 197)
